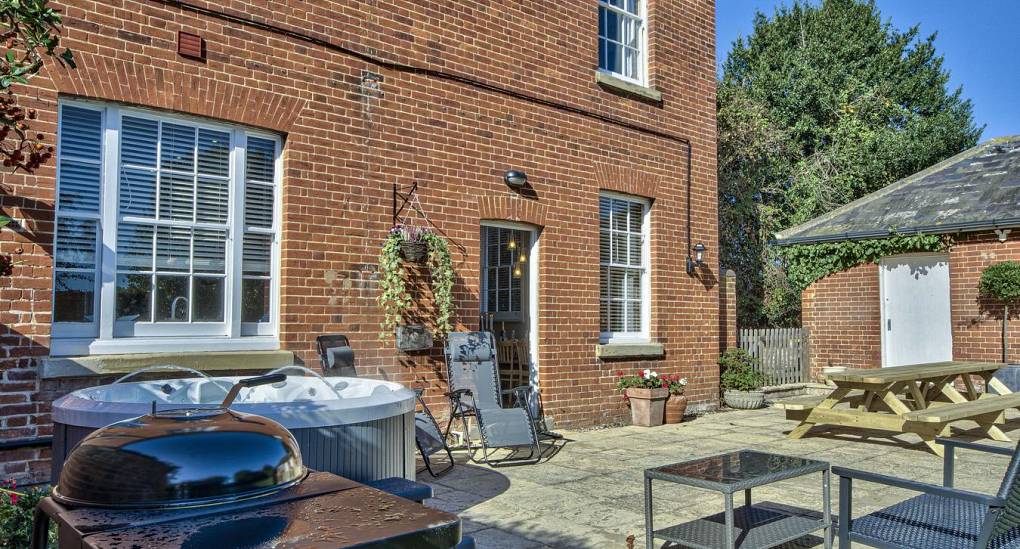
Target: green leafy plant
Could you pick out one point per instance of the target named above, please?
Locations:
(29, 33)
(17, 508)
(738, 371)
(395, 298)
(806, 263)
(1001, 282)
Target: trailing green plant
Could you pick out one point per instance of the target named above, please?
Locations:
(17, 508)
(29, 33)
(738, 371)
(806, 263)
(395, 298)
(441, 265)
(1001, 282)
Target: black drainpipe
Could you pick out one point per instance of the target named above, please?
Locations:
(19, 444)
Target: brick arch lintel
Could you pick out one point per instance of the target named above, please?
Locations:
(108, 79)
(506, 208)
(622, 179)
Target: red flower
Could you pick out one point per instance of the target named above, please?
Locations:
(619, 373)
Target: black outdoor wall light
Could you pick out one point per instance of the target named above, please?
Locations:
(515, 179)
(698, 259)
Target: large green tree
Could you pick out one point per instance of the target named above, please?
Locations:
(822, 104)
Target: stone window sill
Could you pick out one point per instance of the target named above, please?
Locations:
(629, 350)
(620, 85)
(96, 365)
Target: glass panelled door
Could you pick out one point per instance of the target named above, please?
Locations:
(507, 273)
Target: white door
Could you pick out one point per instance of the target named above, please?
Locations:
(916, 323)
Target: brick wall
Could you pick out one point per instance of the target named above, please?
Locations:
(977, 322)
(468, 89)
(843, 316)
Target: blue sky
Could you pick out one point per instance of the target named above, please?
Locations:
(979, 40)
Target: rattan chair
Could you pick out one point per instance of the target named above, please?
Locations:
(474, 392)
(942, 517)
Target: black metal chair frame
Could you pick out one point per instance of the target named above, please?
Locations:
(462, 410)
(425, 456)
(995, 504)
(327, 341)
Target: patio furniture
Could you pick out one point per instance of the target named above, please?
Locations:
(427, 436)
(942, 517)
(401, 487)
(760, 525)
(336, 355)
(921, 399)
(474, 392)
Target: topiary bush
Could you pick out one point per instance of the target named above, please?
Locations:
(1001, 282)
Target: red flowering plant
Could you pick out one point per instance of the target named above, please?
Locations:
(643, 379)
(17, 507)
(675, 384)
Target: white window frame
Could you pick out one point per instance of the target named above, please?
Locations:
(642, 18)
(103, 336)
(643, 335)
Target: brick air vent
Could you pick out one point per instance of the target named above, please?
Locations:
(190, 45)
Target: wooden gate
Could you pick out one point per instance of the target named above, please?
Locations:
(782, 353)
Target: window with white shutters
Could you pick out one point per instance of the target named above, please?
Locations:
(623, 267)
(622, 41)
(183, 212)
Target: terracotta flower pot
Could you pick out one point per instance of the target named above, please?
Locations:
(415, 252)
(676, 406)
(647, 406)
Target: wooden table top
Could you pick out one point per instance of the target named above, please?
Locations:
(912, 372)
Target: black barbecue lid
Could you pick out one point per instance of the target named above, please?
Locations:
(180, 458)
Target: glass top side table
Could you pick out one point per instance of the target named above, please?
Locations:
(751, 526)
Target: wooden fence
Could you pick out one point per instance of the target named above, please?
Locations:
(782, 353)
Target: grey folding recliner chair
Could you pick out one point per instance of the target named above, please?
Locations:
(942, 517)
(336, 355)
(474, 391)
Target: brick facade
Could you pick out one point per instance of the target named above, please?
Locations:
(448, 94)
(843, 317)
(843, 313)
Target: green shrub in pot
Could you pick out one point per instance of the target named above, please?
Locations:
(740, 381)
(17, 507)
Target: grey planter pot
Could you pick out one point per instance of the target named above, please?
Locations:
(1010, 376)
(744, 400)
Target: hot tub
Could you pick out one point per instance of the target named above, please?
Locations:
(362, 429)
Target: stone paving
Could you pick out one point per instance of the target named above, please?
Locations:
(588, 492)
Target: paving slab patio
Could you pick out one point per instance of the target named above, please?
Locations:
(589, 492)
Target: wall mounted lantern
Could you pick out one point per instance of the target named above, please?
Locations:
(698, 259)
(515, 179)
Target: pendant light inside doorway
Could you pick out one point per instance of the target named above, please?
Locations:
(520, 256)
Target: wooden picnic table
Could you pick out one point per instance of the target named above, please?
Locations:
(920, 398)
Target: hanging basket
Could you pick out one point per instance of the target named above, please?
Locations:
(415, 252)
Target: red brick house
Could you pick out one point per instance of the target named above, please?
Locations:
(224, 180)
(924, 307)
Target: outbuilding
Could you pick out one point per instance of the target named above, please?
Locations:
(918, 307)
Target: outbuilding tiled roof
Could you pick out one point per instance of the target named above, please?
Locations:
(978, 189)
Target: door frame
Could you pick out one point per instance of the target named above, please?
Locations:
(883, 318)
(533, 325)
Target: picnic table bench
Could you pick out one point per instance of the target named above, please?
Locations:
(920, 398)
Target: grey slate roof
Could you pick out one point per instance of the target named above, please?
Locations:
(976, 190)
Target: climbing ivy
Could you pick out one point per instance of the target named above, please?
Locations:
(806, 263)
